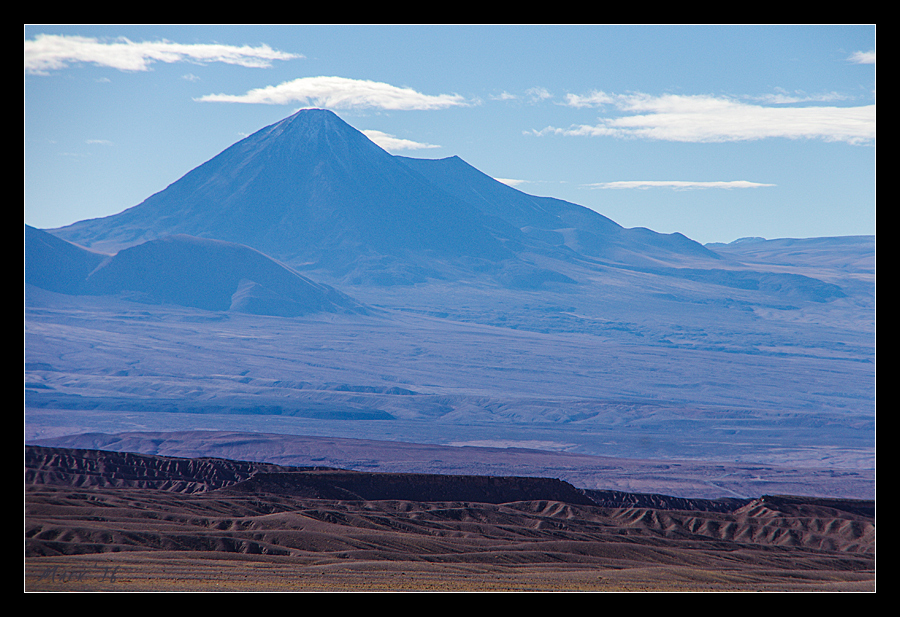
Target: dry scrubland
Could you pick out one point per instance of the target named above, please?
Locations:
(185, 572)
(119, 523)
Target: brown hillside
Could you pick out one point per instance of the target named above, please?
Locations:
(150, 517)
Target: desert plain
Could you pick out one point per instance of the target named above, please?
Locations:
(104, 521)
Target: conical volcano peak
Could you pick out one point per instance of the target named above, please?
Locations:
(307, 189)
(313, 137)
(310, 122)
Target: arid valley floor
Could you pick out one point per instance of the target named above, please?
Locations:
(103, 521)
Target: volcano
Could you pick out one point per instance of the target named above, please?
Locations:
(307, 189)
(312, 190)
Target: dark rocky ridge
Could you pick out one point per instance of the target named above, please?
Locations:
(70, 467)
(98, 468)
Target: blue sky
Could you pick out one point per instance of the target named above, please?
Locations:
(717, 132)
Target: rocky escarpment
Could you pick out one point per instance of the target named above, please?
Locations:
(98, 468)
(85, 468)
(620, 499)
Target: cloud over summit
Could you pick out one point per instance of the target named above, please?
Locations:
(341, 93)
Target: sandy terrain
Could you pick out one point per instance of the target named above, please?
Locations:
(194, 572)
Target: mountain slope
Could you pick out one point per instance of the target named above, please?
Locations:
(308, 188)
(313, 191)
(182, 270)
(56, 265)
(214, 275)
(554, 222)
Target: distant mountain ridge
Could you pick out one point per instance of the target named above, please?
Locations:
(313, 190)
(547, 221)
(181, 270)
(56, 265)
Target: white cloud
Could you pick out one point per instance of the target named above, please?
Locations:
(511, 182)
(49, 52)
(676, 184)
(539, 94)
(782, 97)
(341, 93)
(394, 144)
(862, 57)
(593, 99)
(702, 118)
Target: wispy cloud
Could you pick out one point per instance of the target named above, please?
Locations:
(678, 185)
(511, 182)
(592, 99)
(395, 144)
(341, 93)
(539, 94)
(862, 57)
(703, 118)
(783, 97)
(51, 52)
